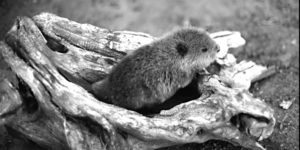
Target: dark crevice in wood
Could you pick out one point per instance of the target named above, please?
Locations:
(79, 81)
(30, 103)
(55, 45)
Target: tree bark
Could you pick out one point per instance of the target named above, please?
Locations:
(56, 60)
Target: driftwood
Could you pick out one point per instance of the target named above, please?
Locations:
(56, 60)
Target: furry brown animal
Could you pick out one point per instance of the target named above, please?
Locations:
(154, 72)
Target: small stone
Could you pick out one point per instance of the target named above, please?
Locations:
(286, 104)
(294, 42)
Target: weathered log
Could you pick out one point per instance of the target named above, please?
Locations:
(56, 60)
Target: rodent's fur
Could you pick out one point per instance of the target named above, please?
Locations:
(154, 72)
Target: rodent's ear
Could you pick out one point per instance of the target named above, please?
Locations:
(182, 48)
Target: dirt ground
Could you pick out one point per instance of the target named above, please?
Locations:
(270, 28)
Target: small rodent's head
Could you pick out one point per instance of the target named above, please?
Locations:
(195, 47)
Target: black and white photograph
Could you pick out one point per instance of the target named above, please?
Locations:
(149, 75)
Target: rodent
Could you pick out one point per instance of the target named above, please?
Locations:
(154, 72)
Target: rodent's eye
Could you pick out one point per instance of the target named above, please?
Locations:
(204, 49)
(182, 49)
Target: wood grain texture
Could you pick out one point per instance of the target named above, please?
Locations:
(57, 59)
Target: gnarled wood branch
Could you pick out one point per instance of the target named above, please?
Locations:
(56, 60)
